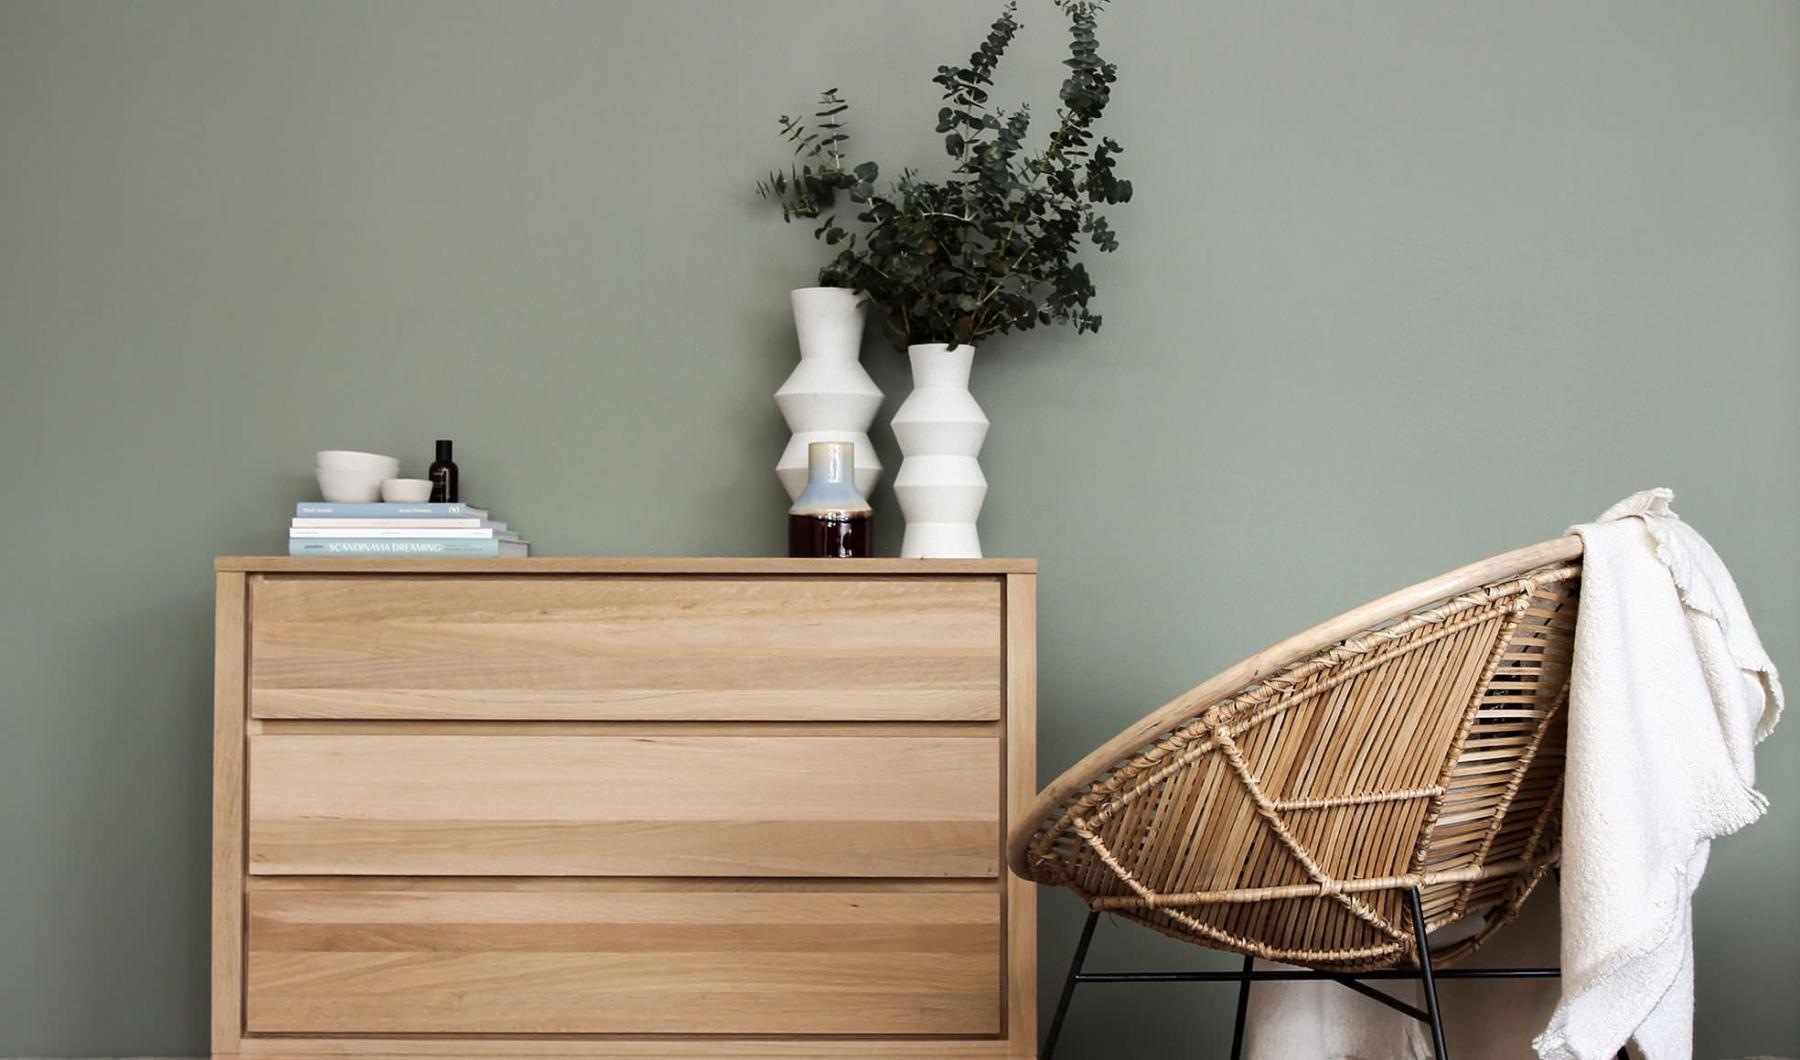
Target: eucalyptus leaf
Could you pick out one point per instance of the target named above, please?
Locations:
(993, 247)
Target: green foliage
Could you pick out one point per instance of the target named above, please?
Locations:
(992, 248)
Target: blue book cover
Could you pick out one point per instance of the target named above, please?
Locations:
(385, 510)
(391, 546)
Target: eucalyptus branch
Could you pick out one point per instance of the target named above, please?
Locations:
(992, 248)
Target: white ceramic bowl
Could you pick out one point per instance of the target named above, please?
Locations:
(350, 460)
(348, 485)
(406, 490)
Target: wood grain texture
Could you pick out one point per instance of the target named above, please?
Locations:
(341, 727)
(226, 1024)
(1020, 895)
(670, 1047)
(621, 884)
(575, 962)
(618, 796)
(695, 565)
(616, 648)
(602, 805)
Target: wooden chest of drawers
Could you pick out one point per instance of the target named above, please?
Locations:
(622, 808)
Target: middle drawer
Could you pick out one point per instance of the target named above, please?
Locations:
(559, 804)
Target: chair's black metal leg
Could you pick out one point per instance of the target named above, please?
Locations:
(1425, 976)
(1432, 1014)
(1383, 997)
(1243, 1008)
(1068, 990)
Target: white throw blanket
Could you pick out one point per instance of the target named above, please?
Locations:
(1669, 692)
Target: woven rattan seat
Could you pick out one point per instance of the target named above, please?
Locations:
(1288, 807)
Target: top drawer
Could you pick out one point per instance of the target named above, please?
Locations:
(552, 647)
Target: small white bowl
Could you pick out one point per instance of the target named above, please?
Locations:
(350, 460)
(349, 486)
(406, 490)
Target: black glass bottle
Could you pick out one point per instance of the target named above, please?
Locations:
(443, 476)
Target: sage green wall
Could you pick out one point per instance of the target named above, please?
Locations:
(1404, 284)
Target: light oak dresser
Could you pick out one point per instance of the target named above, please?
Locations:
(593, 808)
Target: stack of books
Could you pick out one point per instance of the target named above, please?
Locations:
(322, 528)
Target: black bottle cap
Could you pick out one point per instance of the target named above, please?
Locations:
(443, 449)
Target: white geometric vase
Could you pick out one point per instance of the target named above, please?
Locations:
(829, 397)
(940, 429)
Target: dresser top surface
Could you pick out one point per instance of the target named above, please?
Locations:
(618, 565)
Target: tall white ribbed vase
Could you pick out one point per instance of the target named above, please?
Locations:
(940, 429)
(829, 397)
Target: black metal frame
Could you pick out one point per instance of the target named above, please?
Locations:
(1430, 1015)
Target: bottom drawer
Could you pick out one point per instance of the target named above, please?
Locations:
(622, 957)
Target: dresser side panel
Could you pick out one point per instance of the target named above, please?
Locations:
(1021, 788)
(229, 616)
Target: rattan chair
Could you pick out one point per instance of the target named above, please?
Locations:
(1330, 800)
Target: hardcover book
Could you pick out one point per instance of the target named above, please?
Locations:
(383, 532)
(403, 522)
(386, 510)
(317, 546)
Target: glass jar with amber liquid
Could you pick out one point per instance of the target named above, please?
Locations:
(830, 518)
